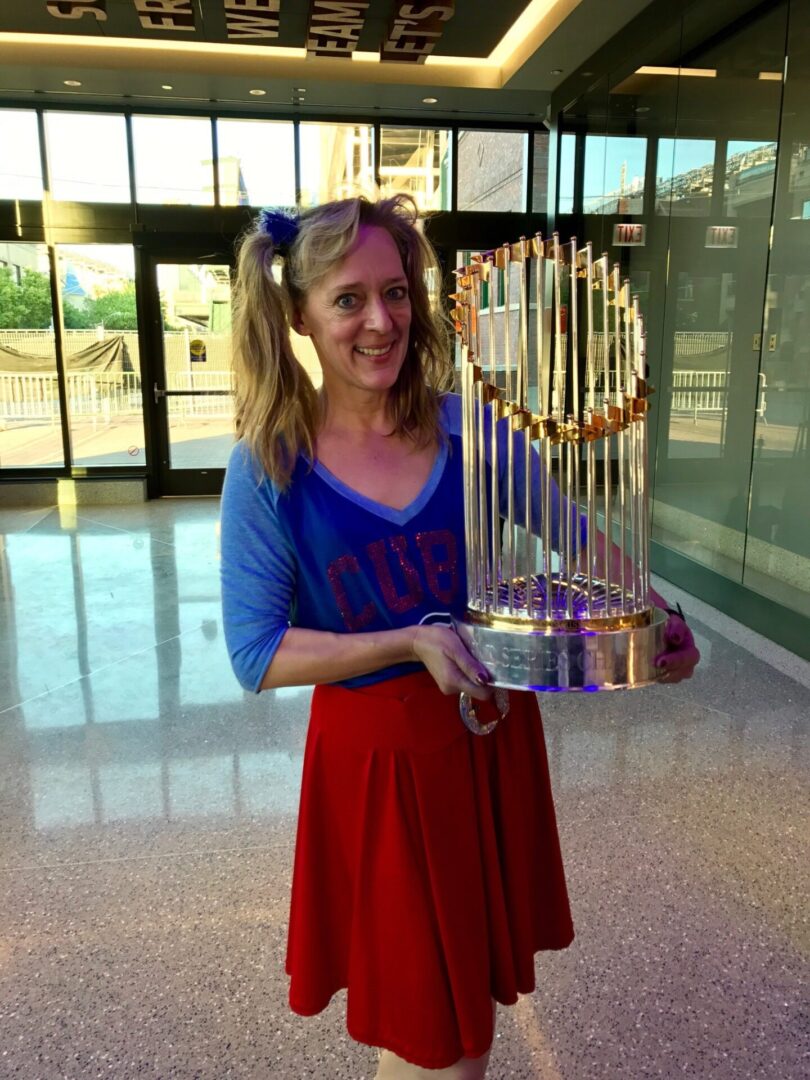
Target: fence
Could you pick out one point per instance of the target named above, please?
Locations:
(104, 396)
(696, 392)
(706, 392)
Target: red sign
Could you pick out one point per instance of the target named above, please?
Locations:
(721, 236)
(627, 235)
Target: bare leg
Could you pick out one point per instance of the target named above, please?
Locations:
(392, 1067)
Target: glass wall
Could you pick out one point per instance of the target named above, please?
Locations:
(195, 302)
(102, 354)
(699, 111)
(777, 557)
(59, 156)
(30, 414)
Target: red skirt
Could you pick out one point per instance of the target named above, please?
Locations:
(427, 867)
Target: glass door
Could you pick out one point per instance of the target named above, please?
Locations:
(191, 394)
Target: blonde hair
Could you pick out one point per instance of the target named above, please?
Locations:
(277, 407)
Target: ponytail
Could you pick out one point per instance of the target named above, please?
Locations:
(276, 405)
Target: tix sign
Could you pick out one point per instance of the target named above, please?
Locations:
(721, 236)
(414, 30)
(244, 19)
(625, 235)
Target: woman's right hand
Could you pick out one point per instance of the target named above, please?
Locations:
(455, 670)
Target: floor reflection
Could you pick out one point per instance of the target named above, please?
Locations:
(149, 813)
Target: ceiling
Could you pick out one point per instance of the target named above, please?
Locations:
(487, 61)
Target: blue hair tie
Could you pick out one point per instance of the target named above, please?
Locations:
(281, 224)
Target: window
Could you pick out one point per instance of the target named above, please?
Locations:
(173, 160)
(336, 161)
(102, 355)
(749, 180)
(20, 162)
(492, 170)
(416, 161)
(614, 174)
(256, 160)
(30, 431)
(684, 176)
(540, 173)
(87, 157)
(565, 196)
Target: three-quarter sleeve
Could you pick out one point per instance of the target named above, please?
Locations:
(257, 570)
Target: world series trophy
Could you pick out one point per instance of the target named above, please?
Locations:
(560, 366)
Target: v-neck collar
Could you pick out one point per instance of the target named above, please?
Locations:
(389, 513)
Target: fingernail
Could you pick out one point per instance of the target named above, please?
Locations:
(482, 678)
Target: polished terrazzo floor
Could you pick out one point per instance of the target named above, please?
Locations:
(148, 815)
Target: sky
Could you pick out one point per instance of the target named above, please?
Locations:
(604, 156)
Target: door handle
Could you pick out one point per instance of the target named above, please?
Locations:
(159, 394)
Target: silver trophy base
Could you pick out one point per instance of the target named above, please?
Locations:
(587, 660)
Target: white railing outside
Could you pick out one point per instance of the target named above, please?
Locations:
(696, 392)
(97, 395)
(701, 392)
(103, 396)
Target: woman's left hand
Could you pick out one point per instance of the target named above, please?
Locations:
(681, 656)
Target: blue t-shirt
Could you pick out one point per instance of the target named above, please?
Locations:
(322, 556)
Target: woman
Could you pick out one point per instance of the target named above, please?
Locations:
(427, 868)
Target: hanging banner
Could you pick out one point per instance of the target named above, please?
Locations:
(68, 9)
(165, 14)
(252, 19)
(414, 30)
(244, 19)
(334, 27)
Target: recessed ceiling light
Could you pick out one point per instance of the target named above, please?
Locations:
(72, 82)
(300, 89)
(642, 108)
(556, 71)
(429, 100)
(167, 86)
(257, 93)
(586, 74)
